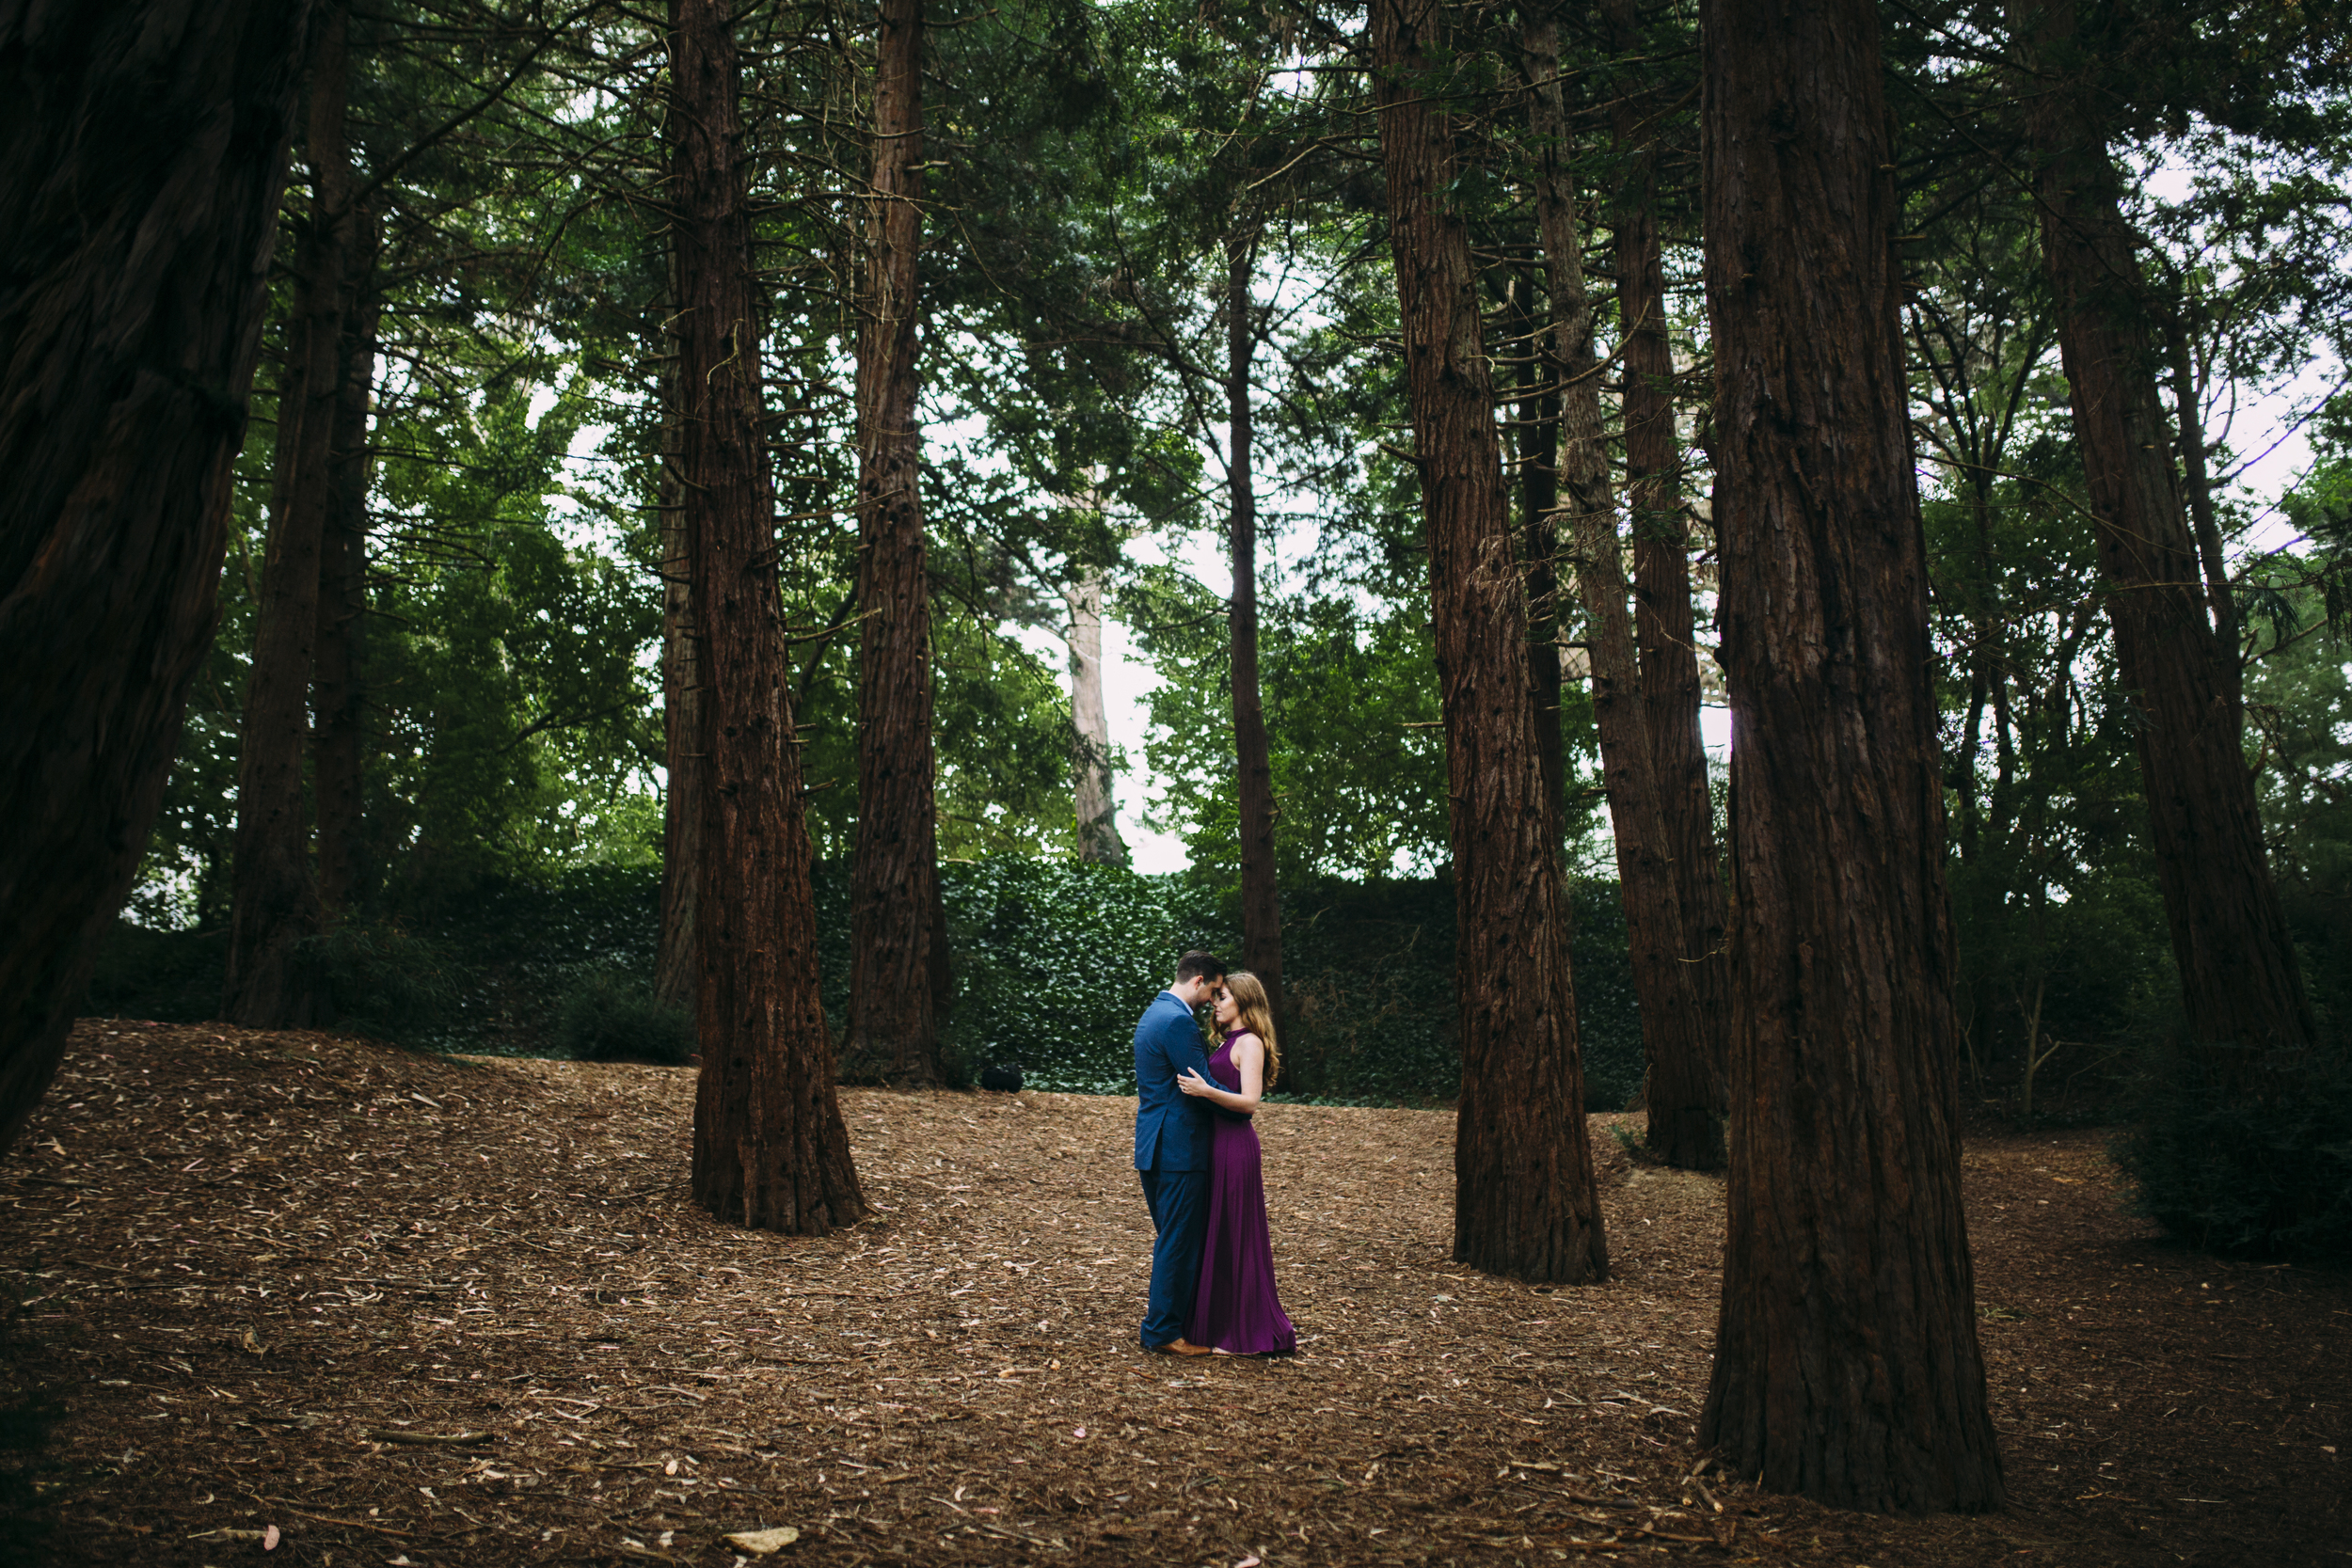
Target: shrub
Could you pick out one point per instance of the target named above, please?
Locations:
(2263, 1171)
(143, 973)
(384, 980)
(609, 1014)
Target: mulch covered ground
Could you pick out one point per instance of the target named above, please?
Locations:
(304, 1299)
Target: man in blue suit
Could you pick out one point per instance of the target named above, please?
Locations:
(1173, 1132)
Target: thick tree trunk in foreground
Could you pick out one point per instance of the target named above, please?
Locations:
(1539, 546)
(676, 975)
(894, 1027)
(1846, 1363)
(274, 899)
(770, 1149)
(1524, 1200)
(1684, 1095)
(1099, 843)
(1670, 1019)
(2240, 980)
(1261, 899)
(142, 152)
(337, 698)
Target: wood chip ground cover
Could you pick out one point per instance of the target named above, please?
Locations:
(307, 1299)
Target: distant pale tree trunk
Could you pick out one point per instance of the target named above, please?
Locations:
(1846, 1361)
(1684, 1094)
(1099, 843)
(1672, 1029)
(770, 1149)
(1260, 898)
(1524, 1198)
(142, 156)
(338, 696)
(274, 898)
(893, 882)
(2240, 981)
(683, 739)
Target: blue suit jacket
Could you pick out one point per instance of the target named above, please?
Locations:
(1172, 1128)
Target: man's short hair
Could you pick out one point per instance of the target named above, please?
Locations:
(1193, 965)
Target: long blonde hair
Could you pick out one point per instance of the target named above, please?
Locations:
(1257, 1016)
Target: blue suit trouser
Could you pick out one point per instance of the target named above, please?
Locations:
(1180, 1211)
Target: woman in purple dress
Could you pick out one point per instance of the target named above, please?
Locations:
(1235, 1310)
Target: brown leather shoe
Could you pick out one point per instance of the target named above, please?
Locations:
(1181, 1346)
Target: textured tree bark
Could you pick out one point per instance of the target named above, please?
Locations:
(1673, 1031)
(684, 740)
(894, 1025)
(337, 698)
(1684, 1095)
(1539, 544)
(770, 1149)
(1524, 1200)
(274, 898)
(142, 155)
(1846, 1364)
(2240, 980)
(1099, 843)
(1261, 899)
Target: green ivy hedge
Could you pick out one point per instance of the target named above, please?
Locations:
(1053, 962)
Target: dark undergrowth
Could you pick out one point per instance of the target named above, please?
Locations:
(1054, 961)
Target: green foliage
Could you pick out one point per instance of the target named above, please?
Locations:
(385, 981)
(1352, 723)
(2246, 1157)
(1056, 959)
(611, 1014)
(143, 972)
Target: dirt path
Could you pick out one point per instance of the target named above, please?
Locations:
(399, 1309)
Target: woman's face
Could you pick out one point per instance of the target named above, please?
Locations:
(1228, 1010)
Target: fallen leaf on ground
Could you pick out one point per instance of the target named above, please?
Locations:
(759, 1543)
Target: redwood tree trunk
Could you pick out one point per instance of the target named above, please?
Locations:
(1524, 1198)
(337, 698)
(142, 153)
(1261, 899)
(1099, 843)
(1645, 883)
(1684, 1095)
(770, 1149)
(2240, 980)
(1539, 504)
(893, 1025)
(684, 737)
(1846, 1363)
(274, 899)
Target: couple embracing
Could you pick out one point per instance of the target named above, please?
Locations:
(1197, 1150)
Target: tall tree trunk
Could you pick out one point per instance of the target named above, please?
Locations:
(770, 1149)
(1685, 1094)
(1099, 843)
(339, 746)
(1846, 1363)
(1671, 1024)
(142, 155)
(1524, 1202)
(1539, 504)
(1261, 899)
(893, 897)
(2240, 980)
(684, 739)
(274, 898)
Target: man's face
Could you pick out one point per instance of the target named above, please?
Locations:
(1200, 989)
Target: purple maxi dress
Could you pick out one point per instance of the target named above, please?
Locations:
(1236, 1308)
